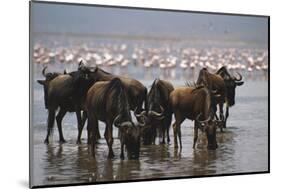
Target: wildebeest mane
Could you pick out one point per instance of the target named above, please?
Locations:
(194, 85)
(101, 70)
(223, 73)
(154, 92)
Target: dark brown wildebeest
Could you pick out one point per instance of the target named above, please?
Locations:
(135, 90)
(71, 90)
(48, 77)
(193, 103)
(214, 82)
(231, 82)
(224, 84)
(159, 114)
(63, 91)
(107, 101)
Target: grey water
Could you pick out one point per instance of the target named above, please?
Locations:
(243, 147)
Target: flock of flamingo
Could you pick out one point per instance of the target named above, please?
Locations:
(165, 58)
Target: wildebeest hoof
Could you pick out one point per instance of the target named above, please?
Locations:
(62, 141)
(78, 142)
(110, 156)
(46, 141)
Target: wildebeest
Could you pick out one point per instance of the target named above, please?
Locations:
(48, 77)
(72, 88)
(214, 82)
(193, 103)
(107, 101)
(159, 114)
(63, 91)
(231, 82)
(135, 90)
(224, 84)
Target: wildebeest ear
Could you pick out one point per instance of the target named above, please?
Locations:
(239, 83)
(42, 82)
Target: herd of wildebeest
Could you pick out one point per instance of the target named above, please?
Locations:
(96, 95)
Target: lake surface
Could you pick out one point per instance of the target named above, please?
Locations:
(243, 147)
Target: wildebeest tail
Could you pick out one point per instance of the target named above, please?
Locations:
(119, 98)
(51, 119)
(52, 108)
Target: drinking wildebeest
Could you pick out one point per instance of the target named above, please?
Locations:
(159, 114)
(135, 91)
(193, 103)
(224, 84)
(108, 102)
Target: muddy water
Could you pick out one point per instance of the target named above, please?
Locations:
(243, 147)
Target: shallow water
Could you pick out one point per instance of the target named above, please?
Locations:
(243, 147)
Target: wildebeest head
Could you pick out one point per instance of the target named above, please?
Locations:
(48, 77)
(209, 126)
(130, 136)
(231, 82)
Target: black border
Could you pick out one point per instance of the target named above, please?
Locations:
(151, 9)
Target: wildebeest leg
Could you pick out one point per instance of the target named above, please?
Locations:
(80, 126)
(51, 120)
(221, 111)
(92, 128)
(84, 117)
(163, 130)
(195, 134)
(226, 115)
(98, 132)
(122, 149)
(221, 114)
(167, 126)
(109, 139)
(59, 118)
(176, 128)
(215, 112)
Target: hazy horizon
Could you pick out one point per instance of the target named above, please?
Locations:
(63, 18)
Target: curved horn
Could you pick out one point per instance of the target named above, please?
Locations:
(156, 114)
(115, 121)
(214, 91)
(125, 123)
(238, 79)
(140, 114)
(44, 70)
(203, 121)
(141, 124)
